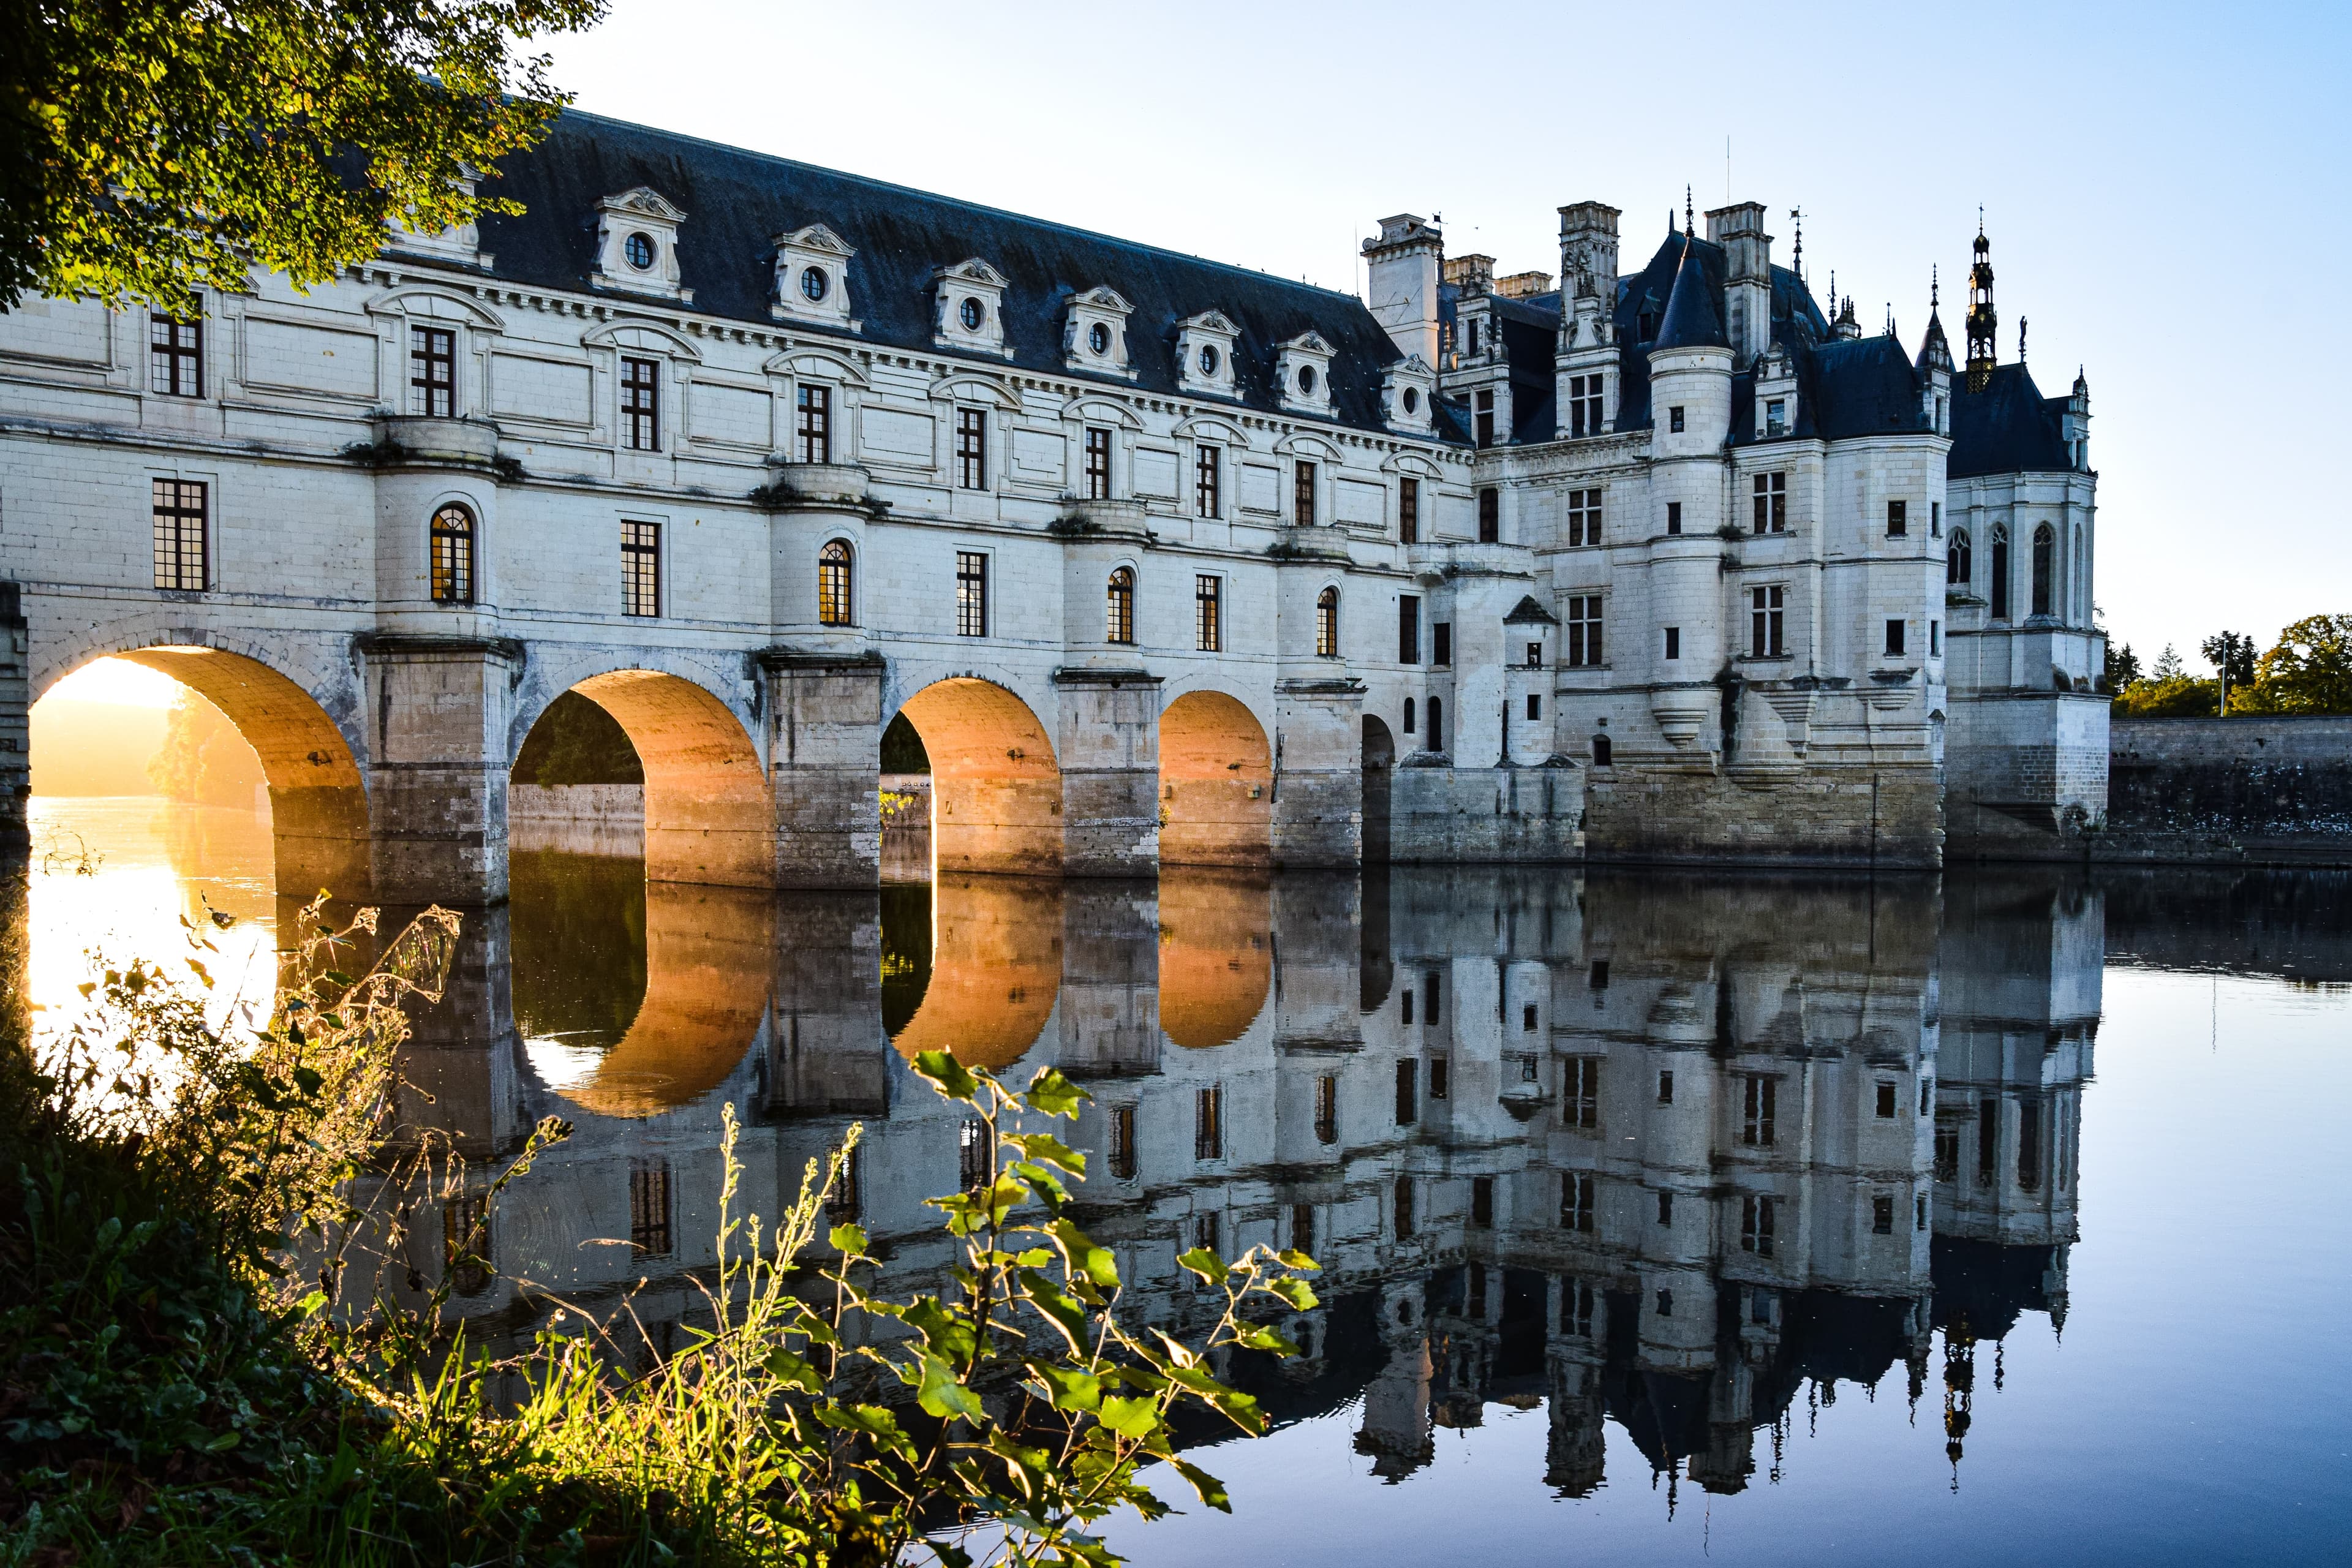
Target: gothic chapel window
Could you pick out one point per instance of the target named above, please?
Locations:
(2046, 549)
(1326, 624)
(453, 555)
(1955, 560)
(1999, 572)
(835, 569)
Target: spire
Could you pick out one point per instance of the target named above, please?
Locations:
(1691, 319)
(1933, 296)
(1982, 319)
(1690, 222)
(2021, 340)
(1797, 256)
(1670, 230)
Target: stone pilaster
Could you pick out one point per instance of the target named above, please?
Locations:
(827, 1055)
(438, 713)
(1319, 771)
(825, 750)
(1109, 750)
(1110, 1008)
(15, 725)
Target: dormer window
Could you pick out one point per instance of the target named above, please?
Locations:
(1204, 354)
(813, 278)
(1095, 338)
(1408, 394)
(1412, 400)
(1306, 381)
(1776, 417)
(1585, 402)
(971, 308)
(1303, 372)
(637, 245)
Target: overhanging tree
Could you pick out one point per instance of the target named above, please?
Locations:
(153, 148)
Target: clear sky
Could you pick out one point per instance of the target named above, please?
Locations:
(2164, 186)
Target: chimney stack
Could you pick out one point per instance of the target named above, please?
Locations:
(1746, 277)
(1401, 283)
(1588, 245)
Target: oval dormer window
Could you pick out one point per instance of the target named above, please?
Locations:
(1099, 337)
(1413, 400)
(639, 249)
(1306, 381)
(814, 283)
(972, 313)
(1210, 360)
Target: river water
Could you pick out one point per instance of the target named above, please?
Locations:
(1993, 1218)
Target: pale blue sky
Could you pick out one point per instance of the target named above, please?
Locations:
(2164, 186)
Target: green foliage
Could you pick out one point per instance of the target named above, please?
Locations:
(575, 741)
(2231, 655)
(149, 148)
(2172, 697)
(177, 1389)
(2309, 670)
(902, 748)
(2122, 667)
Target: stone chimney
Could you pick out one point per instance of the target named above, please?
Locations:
(1588, 245)
(1523, 285)
(1402, 286)
(1473, 274)
(1746, 277)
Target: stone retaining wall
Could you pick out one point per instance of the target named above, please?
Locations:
(2247, 790)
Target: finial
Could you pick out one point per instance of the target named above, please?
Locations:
(1932, 287)
(1797, 260)
(1690, 224)
(2021, 340)
(1980, 222)
(1670, 219)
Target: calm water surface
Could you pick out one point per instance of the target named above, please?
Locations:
(1999, 1219)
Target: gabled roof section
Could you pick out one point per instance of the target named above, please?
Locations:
(1935, 348)
(1693, 319)
(1528, 612)
(2007, 428)
(737, 199)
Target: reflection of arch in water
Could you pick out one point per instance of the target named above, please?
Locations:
(319, 814)
(709, 818)
(707, 956)
(996, 788)
(1216, 956)
(1216, 783)
(1379, 766)
(996, 969)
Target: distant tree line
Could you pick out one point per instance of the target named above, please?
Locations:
(2307, 672)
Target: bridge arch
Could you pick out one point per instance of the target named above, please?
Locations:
(317, 790)
(1216, 783)
(996, 781)
(993, 971)
(708, 815)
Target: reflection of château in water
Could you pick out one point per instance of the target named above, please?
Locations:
(1665, 1150)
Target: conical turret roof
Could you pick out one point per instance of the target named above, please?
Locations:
(1691, 321)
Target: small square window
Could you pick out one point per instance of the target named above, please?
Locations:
(1886, 1100)
(1894, 638)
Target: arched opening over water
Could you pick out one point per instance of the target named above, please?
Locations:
(1379, 765)
(981, 981)
(1216, 783)
(705, 812)
(996, 787)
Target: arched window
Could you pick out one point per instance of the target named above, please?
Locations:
(1119, 620)
(1600, 752)
(1436, 724)
(1326, 624)
(2045, 550)
(1999, 572)
(1408, 715)
(836, 605)
(1955, 560)
(2078, 598)
(453, 555)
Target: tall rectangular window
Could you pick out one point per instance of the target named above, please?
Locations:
(180, 560)
(1674, 642)
(175, 356)
(433, 372)
(1482, 1203)
(1898, 519)
(1766, 627)
(1988, 1140)
(1584, 405)
(1771, 504)
(971, 594)
(1666, 1210)
(843, 1200)
(649, 1207)
(1579, 1093)
(1576, 1201)
(641, 404)
(1408, 510)
(1893, 640)
(972, 448)
(1758, 1111)
(1122, 1142)
(975, 1154)
(1404, 1222)
(1408, 1092)
(1756, 1225)
(1438, 1073)
(1208, 487)
(1888, 1098)
(1327, 1108)
(813, 418)
(1576, 1303)
(1209, 1123)
(1441, 649)
(1882, 1214)
(1408, 628)
(1097, 463)
(1584, 516)
(1302, 1229)
(1486, 406)
(1584, 643)
(1490, 515)
(2029, 1146)
(1208, 613)
(1302, 511)
(1673, 517)
(640, 568)
(1429, 993)
(1776, 417)
(1675, 420)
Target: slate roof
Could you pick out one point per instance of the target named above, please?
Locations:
(736, 201)
(1692, 320)
(2008, 428)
